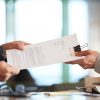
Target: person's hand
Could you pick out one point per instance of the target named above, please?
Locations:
(14, 45)
(6, 71)
(88, 61)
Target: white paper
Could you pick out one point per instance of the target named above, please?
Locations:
(45, 53)
(98, 88)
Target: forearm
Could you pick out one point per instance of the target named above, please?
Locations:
(2, 54)
(97, 64)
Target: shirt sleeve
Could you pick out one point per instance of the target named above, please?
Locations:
(97, 64)
(2, 54)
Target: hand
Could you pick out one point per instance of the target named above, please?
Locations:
(15, 45)
(6, 71)
(88, 61)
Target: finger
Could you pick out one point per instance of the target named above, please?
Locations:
(25, 43)
(20, 45)
(75, 62)
(86, 64)
(13, 70)
(71, 62)
(82, 53)
(7, 76)
(22, 42)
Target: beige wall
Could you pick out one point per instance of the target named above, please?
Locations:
(94, 27)
(94, 24)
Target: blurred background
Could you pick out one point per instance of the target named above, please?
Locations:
(41, 20)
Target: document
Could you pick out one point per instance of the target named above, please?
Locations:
(45, 53)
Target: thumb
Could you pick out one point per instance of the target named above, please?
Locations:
(13, 70)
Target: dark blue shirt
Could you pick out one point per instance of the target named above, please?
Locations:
(2, 56)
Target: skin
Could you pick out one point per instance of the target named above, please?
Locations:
(6, 70)
(89, 60)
